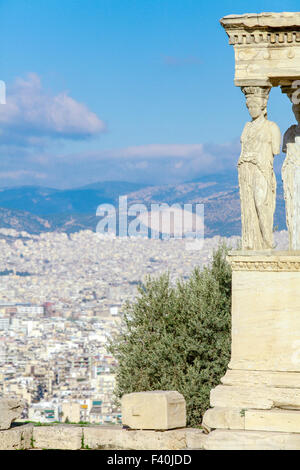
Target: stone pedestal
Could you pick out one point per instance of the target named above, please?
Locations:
(261, 389)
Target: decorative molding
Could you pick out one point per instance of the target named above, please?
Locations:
(263, 37)
(272, 265)
(288, 90)
(260, 91)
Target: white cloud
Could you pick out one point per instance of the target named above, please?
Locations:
(180, 158)
(31, 115)
(160, 150)
(19, 174)
(150, 164)
(152, 151)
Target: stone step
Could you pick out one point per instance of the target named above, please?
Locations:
(252, 420)
(261, 377)
(224, 418)
(255, 397)
(250, 440)
(273, 420)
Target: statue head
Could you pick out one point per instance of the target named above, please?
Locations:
(296, 111)
(256, 100)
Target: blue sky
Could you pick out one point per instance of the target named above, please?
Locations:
(133, 90)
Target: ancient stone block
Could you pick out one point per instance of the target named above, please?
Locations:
(262, 378)
(194, 438)
(273, 420)
(157, 440)
(10, 410)
(224, 418)
(102, 437)
(251, 440)
(154, 410)
(16, 438)
(256, 397)
(57, 437)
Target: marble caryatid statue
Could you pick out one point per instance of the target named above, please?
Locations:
(291, 180)
(293, 131)
(261, 140)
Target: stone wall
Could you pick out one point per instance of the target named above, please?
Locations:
(73, 437)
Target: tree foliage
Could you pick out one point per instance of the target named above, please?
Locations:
(177, 337)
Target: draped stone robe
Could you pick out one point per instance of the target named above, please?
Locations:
(291, 184)
(260, 140)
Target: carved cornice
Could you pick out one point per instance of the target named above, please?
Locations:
(271, 28)
(288, 20)
(267, 47)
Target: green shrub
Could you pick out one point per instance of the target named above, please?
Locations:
(177, 337)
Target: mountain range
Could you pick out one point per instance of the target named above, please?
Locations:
(36, 209)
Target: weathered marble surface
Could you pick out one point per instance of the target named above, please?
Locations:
(265, 311)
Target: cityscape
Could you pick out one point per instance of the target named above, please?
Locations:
(61, 300)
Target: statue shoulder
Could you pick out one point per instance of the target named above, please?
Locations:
(289, 137)
(245, 130)
(291, 130)
(276, 137)
(274, 127)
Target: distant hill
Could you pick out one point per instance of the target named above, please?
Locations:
(46, 201)
(23, 221)
(220, 196)
(114, 188)
(38, 209)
